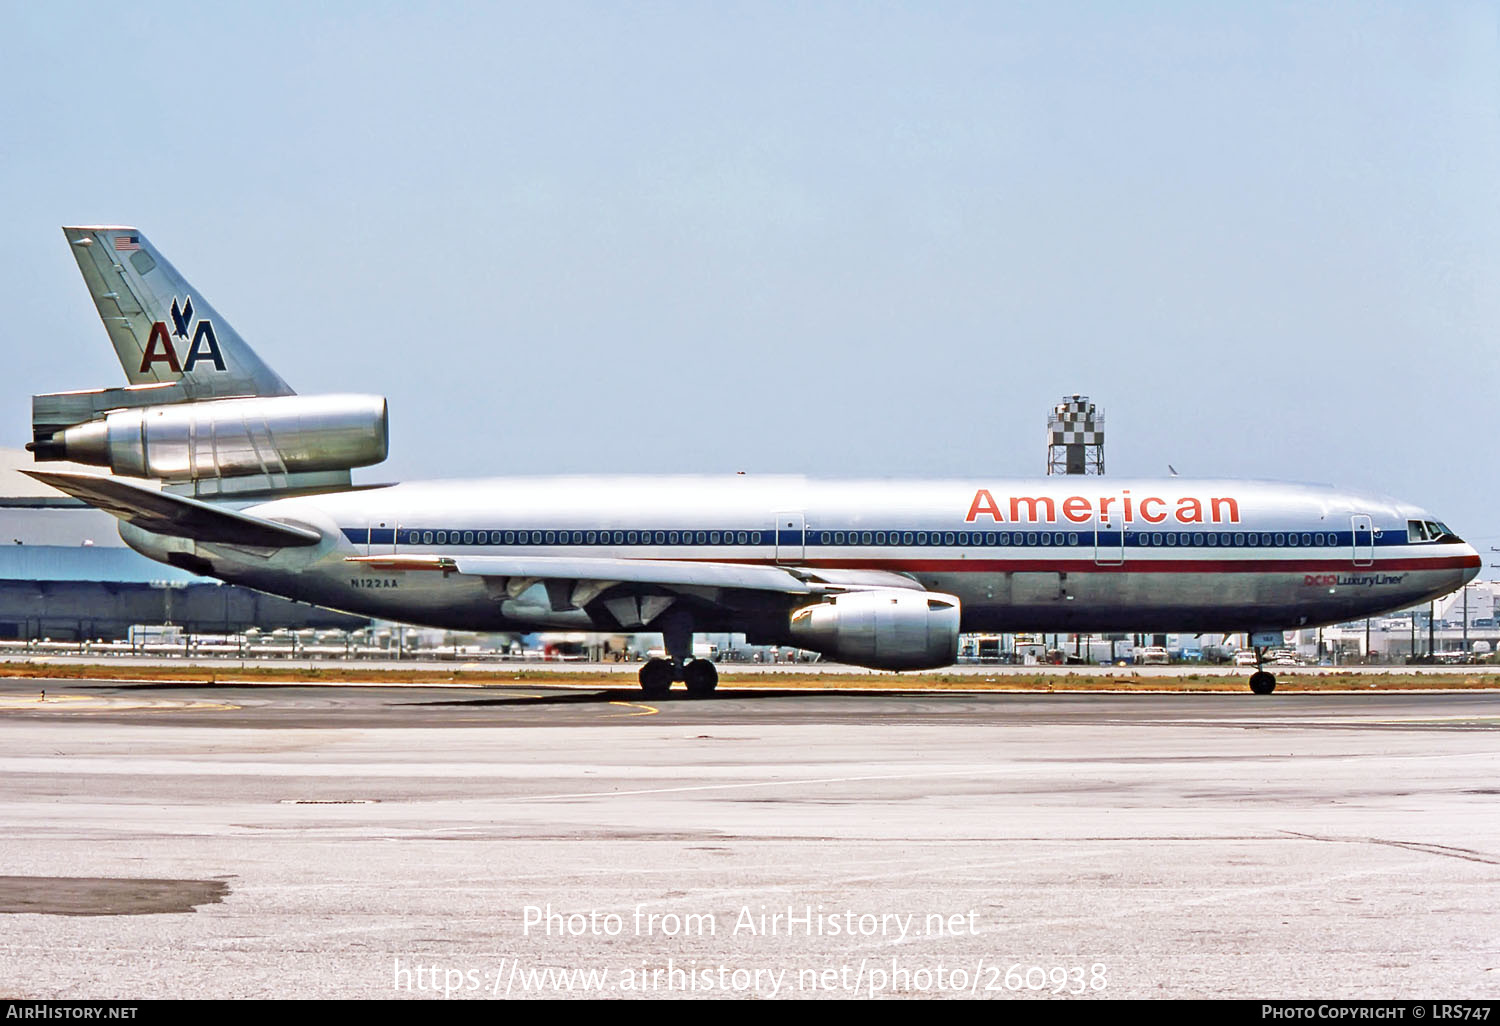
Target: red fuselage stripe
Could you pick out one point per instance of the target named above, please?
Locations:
(1144, 566)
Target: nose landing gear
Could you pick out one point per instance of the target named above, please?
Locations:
(1262, 682)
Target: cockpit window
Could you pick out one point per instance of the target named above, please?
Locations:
(1429, 531)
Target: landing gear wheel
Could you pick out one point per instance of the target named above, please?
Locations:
(1262, 683)
(702, 677)
(656, 678)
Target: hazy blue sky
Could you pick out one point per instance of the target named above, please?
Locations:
(839, 239)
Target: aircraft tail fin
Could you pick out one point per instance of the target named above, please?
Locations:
(163, 330)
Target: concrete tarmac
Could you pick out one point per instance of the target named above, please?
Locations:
(510, 842)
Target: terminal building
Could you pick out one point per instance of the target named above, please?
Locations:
(65, 575)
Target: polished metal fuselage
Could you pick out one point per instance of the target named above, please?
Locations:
(1056, 554)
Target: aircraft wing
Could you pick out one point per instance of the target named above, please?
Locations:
(165, 513)
(668, 573)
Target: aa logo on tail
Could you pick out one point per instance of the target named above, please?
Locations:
(204, 347)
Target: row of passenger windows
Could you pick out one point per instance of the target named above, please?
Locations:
(1249, 539)
(412, 537)
(943, 537)
(1211, 539)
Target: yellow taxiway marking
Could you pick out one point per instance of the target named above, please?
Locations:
(650, 710)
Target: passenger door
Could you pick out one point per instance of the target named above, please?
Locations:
(790, 530)
(381, 540)
(1364, 539)
(1109, 541)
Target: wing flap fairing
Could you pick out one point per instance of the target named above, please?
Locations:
(668, 573)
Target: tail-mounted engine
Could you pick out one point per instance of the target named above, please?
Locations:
(884, 629)
(274, 439)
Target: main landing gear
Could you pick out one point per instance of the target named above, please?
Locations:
(700, 675)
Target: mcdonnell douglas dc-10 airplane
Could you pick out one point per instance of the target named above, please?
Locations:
(252, 486)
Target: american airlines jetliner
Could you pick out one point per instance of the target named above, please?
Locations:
(221, 469)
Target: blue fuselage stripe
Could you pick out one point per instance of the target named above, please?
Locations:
(865, 539)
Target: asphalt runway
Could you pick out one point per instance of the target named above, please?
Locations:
(304, 841)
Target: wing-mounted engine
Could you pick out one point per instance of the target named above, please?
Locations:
(882, 629)
(228, 446)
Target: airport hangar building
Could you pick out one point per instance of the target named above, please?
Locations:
(65, 575)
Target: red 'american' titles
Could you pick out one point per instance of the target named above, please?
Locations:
(1079, 509)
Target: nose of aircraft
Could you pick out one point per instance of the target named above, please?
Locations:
(1471, 564)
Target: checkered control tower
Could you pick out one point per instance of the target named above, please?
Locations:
(1075, 437)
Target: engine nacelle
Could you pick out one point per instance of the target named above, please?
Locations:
(229, 437)
(885, 630)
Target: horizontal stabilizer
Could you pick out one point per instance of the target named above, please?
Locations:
(177, 515)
